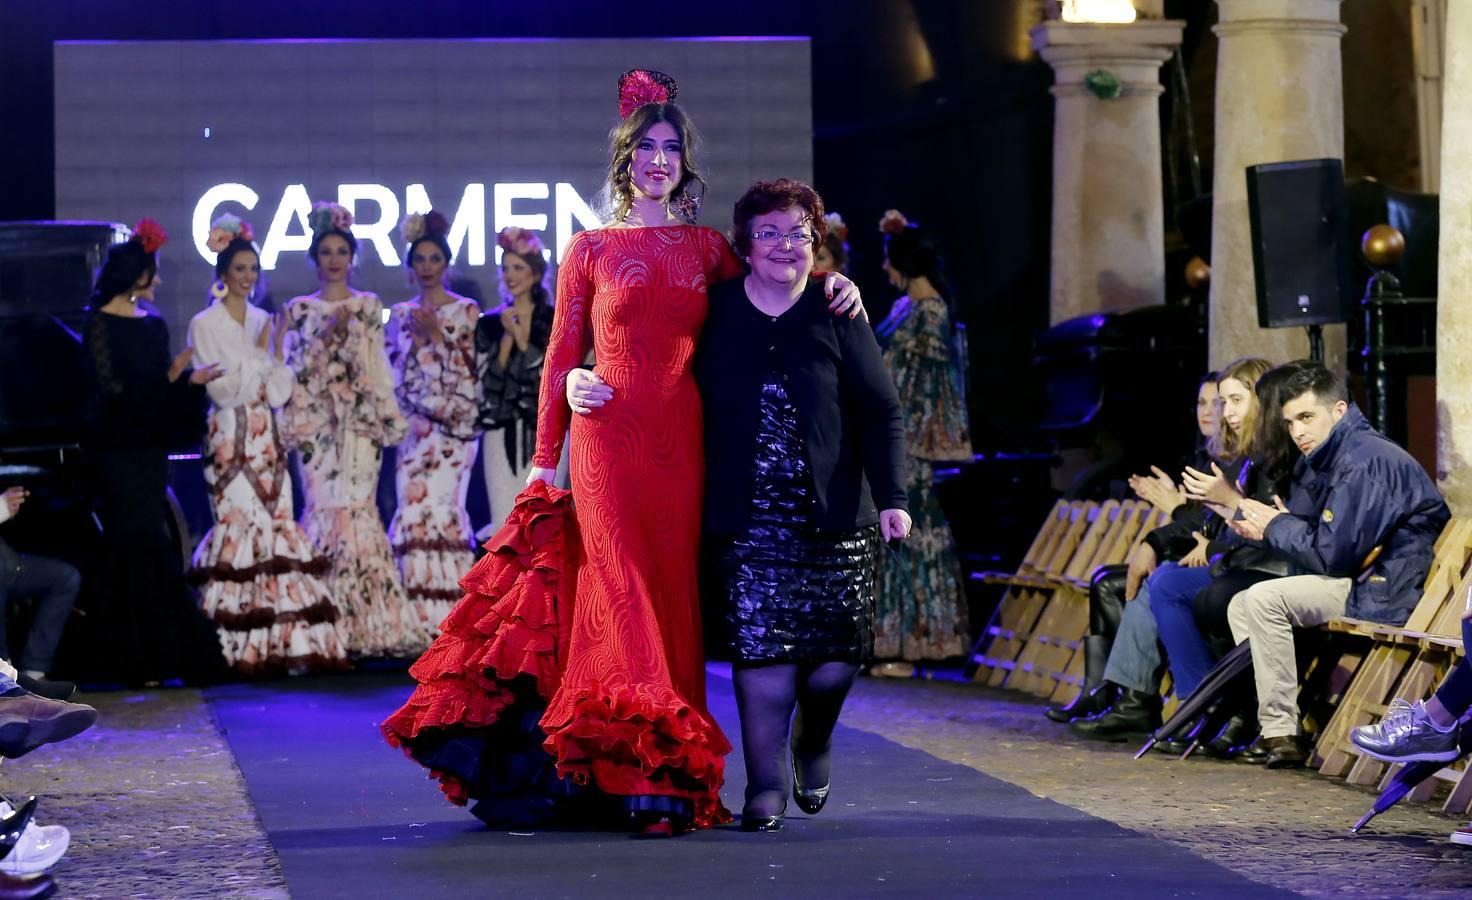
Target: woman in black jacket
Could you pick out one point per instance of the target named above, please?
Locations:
(805, 473)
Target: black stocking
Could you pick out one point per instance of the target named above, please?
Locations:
(765, 697)
(821, 690)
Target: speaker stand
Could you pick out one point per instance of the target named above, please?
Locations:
(1316, 343)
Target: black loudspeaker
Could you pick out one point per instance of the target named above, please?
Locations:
(1300, 242)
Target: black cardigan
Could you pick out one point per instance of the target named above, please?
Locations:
(847, 407)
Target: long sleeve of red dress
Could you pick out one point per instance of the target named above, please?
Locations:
(564, 350)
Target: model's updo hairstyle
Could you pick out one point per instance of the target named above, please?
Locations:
(524, 244)
(127, 263)
(646, 99)
(326, 219)
(912, 251)
(419, 228)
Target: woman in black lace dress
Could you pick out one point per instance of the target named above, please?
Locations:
(805, 473)
(142, 624)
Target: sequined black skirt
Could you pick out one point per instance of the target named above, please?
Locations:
(783, 591)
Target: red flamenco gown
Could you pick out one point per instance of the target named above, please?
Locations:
(572, 671)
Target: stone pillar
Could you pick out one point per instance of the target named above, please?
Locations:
(1108, 248)
(1279, 97)
(1454, 269)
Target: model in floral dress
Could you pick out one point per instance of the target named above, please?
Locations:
(921, 605)
(261, 574)
(431, 347)
(341, 415)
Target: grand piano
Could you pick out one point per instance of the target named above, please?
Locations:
(46, 275)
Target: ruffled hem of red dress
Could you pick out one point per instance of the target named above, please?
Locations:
(505, 626)
(622, 742)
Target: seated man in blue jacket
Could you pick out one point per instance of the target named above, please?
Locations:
(1353, 490)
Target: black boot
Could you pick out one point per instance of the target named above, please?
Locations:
(1135, 714)
(1090, 703)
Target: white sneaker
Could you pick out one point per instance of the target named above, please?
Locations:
(40, 847)
(1463, 835)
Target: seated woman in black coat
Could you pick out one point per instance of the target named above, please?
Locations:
(804, 438)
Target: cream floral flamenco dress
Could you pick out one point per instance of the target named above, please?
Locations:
(341, 415)
(437, 389)
(261, 575)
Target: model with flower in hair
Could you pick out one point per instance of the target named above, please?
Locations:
(262, 578)
(622, 676)
(832, 256)
(431, 347)
(340, 416)
(142, 623)
(921, 606)
(510, 346)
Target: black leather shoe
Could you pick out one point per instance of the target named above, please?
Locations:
(762, 823)
(48, 688)
(1134, 715)
(1234, 740)
(809, 800)
(1285, 752)
(1087, 705)
(28, 721)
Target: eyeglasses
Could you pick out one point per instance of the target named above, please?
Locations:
(796, 238)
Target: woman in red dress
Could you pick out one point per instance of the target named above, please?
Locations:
(598, 616)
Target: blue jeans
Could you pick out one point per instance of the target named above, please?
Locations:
(1172, 588)
(1134, 660)
(54, 585)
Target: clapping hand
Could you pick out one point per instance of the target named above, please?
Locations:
(1255, 517)
(1158, 490)
(425, 326)
(14, 498)
(1213, 488)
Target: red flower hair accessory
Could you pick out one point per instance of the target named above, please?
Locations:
(520, 241)
(637, 87)
(150, 235)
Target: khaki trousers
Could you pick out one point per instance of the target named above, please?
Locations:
(1266, 614)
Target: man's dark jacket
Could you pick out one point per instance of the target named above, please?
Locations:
(1356, 491)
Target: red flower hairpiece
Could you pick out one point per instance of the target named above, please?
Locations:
(637, 87)
(150, 235)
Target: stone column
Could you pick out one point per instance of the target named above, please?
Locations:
(1108, 219)
(1454, 269)
(1279, 97)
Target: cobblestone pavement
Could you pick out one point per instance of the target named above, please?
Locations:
(154, 802)
(157, 807)
(1286, 828)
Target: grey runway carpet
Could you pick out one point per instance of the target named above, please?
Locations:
(350, 816)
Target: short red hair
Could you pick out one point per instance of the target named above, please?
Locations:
(769, 196)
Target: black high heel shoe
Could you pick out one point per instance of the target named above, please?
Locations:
(808, 800)
(14, 825)
(763, 823)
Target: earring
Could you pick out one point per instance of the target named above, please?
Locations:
(218, 290)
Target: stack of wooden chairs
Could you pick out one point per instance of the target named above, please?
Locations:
(1034, 641)
(1409, 662)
